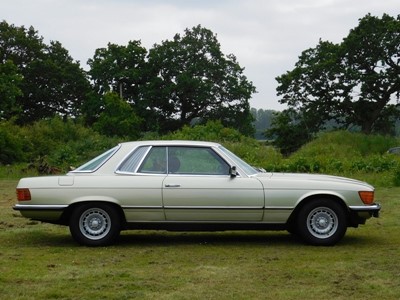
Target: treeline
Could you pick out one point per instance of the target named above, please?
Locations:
(131, 92)
(128, 90)
(351, 85)
(262, 121)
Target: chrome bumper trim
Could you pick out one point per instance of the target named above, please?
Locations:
(373, 209)
(39, 207)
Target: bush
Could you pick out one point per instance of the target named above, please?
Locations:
(56, 142)
(212, 131)
(249, 149)
(348, 154)
(118, 118)
(11, 144)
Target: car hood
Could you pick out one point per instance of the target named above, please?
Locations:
(308, 180)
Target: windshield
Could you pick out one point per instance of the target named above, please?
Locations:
(249, 170)
(95, 163)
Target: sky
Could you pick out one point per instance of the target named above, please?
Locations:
(266, 36)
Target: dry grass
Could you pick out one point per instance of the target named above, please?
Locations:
(41, 261)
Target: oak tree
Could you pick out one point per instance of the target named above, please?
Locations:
(191, 80)
(356, 83)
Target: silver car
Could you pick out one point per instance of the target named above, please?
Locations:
(186, 185)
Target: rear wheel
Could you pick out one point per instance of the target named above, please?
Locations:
(95, 224)
(322, 222)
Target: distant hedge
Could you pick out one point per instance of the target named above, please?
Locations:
(60, 142)
(55, 145)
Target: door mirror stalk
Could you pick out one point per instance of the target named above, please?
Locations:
(232, 171)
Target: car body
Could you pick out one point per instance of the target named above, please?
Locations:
(394, 150)
(188, 185)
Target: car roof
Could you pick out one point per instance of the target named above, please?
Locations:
(170, 143)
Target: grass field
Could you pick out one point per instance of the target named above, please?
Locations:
(41, 261)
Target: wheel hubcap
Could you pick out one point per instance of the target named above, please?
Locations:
(322, 222)
(95, 223)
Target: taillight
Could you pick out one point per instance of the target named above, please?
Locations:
(23, 195)
(367, 197)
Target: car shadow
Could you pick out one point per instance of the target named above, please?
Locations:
(162, 238)
(134, 238)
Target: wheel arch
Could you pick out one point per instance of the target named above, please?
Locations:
(65, 217)
(336, 198)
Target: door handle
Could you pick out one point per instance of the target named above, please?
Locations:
(172, 185)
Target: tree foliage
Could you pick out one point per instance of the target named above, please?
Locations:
(10, 82)
(179, 82)
(184, 81)
(119, 69)
(354, 83)
(191, 79)
(45, 79)
(262, 121)
(117, 118)
(289, 131)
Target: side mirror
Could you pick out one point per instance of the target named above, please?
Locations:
(232, 171)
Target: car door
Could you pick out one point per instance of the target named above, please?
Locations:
(198, 187)
(140, 185)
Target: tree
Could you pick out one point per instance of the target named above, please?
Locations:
(372, 65)
(52, 83)
(354, 83)
(289, 131)
(10, 82)
(119, 69)
(122, 70)
(117, 118)
(262, 121)
(192, 80)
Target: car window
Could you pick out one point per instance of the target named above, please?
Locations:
(130, 164)
(249, 170)
(155, 161)
(97, 162)
(196, 161)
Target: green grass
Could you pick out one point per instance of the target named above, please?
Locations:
(41, 261)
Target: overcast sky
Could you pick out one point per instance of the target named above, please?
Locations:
(267, 36)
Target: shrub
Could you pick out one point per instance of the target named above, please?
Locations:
(211, 131)
(11, 144)
(118, 118)
(249, 149)
(57, 142)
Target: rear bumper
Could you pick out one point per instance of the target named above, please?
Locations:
(370, 210)
(24, 207)
(45, 213)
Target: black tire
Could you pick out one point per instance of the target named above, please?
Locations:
(95, 224)
(322, 222)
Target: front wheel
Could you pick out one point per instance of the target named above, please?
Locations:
(322, 222)
(95, 224)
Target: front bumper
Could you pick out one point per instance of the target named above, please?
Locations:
(370, 210)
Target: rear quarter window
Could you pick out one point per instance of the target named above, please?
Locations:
(97, 162)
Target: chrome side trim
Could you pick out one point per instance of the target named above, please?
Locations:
(205, 207)
(191, 207)
(39, 207)
(278, 208)
(141, 207)
(215, 207)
